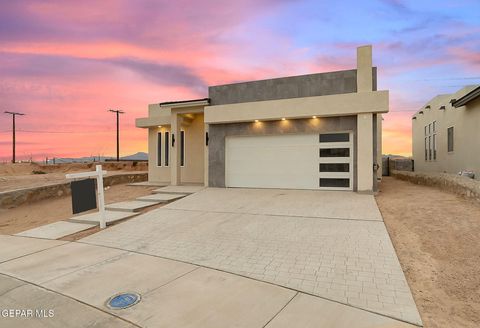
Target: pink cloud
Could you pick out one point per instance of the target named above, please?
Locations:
(468, 58)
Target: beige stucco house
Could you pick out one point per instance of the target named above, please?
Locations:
(446, 133)
(316, 131)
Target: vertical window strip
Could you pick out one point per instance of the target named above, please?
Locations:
(430, 141)
(182, 148)
(159, 149)
(167, 148)
(426, 149)
(429, 148)
(450, 139)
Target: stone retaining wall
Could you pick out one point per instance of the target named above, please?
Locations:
(14, 198)
(459, 185)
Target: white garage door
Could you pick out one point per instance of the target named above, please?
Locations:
(301, 161)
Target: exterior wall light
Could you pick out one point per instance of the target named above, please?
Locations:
(283, 118)
(314, 116)
(256, 121)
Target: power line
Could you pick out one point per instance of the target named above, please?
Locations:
(450, 79)
(65, 132)
(72, 132)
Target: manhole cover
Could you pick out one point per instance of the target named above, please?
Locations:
(123, 300)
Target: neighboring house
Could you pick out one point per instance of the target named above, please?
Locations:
(446, 133)
(317, 131)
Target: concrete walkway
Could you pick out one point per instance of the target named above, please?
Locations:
(113, 213)
(161, 197)
(185, 189)
(329, 244)
(71, 282)
(56, 230)
(130, 206)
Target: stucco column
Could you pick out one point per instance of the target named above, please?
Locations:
(205, 157)
(365, 152)
(175, 174)
(365, 123)
(364, 69)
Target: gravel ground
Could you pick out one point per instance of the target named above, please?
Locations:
(33, 215)
(436, 235)
(21, 175)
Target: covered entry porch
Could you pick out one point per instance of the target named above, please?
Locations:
(177, 148)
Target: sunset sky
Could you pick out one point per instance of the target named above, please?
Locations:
(65, 63)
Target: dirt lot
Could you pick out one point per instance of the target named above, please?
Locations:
(47, 211)
(437, 238)
(24, 175)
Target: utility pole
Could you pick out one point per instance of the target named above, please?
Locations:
(13, 132)
(118, 132)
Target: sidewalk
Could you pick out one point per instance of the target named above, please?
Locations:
(74, 280)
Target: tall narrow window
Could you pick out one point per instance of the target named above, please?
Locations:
(450, 138)
(182, 148)
(430, 148)
(431, 141)
(426, 148)
(167, 148)
(159, 149)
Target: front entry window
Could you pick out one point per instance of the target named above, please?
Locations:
(182, 148)
(167, 148)
(159, 149)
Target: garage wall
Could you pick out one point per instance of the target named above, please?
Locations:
(310, 85)
(218, 132)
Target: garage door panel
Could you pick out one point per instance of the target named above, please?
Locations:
(283, 161)
(277, 153)
(336, 175)
(272, 180)
(286, 161)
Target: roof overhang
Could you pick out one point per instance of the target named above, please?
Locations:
(186, 103)
(153, 121)
(304, 107)
(474, 94)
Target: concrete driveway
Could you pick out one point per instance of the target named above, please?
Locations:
(228, 257)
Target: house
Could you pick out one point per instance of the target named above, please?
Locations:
(446, 133)
(316, 131)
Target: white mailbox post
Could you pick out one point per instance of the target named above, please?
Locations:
(97, 174)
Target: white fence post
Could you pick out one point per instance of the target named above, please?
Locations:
(101, 199)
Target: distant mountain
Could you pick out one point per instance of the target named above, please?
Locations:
(140, 156)
(87, 159)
